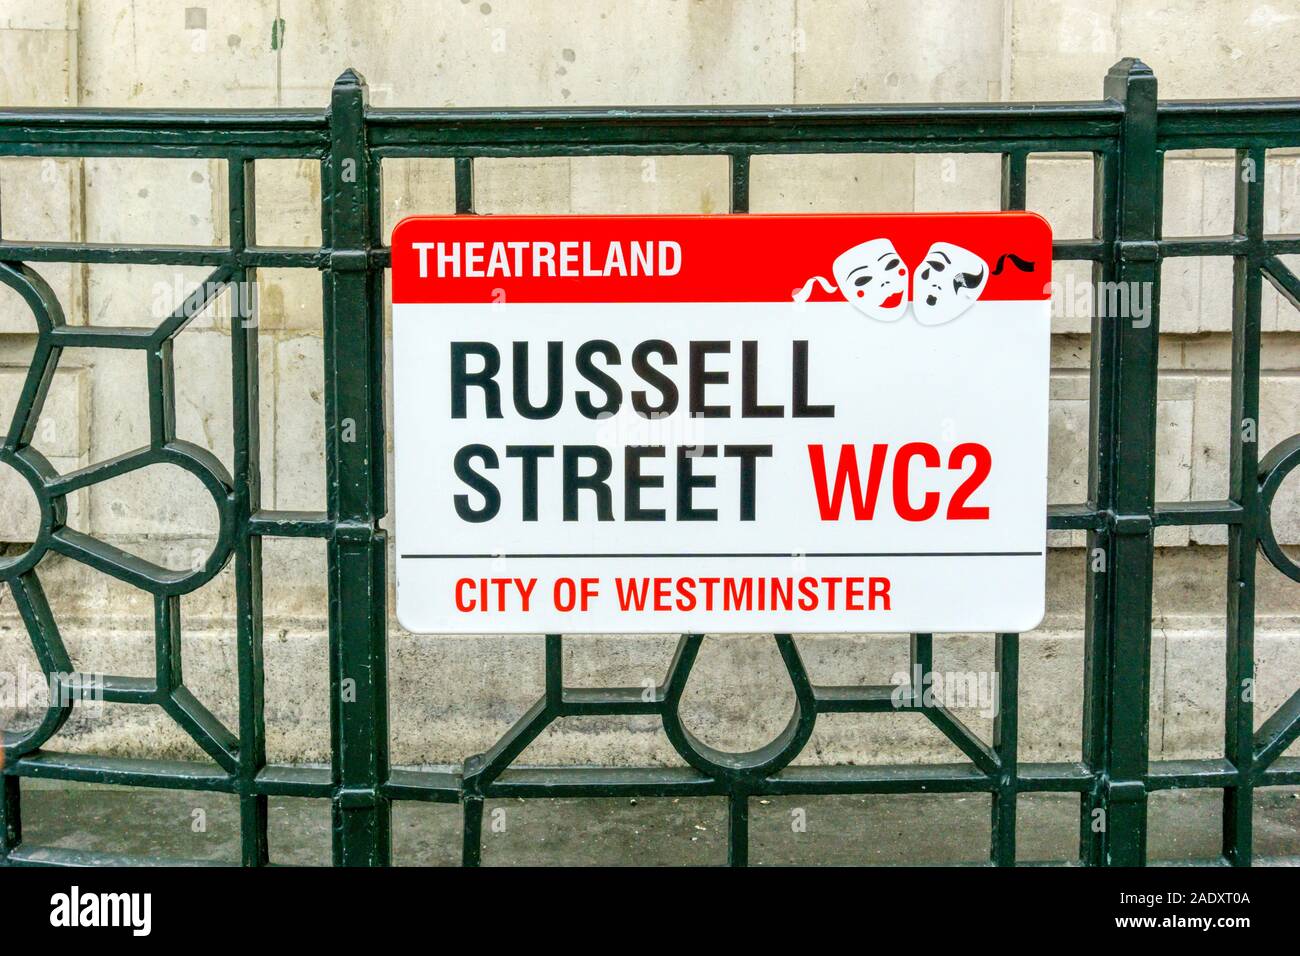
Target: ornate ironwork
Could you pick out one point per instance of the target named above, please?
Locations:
(1127, 133)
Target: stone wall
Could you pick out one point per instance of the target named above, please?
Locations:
(454, 696)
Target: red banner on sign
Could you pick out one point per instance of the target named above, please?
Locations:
(877, 262)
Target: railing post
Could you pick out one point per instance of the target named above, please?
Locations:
(1243, 488)
(355, 480)
(1131, 371)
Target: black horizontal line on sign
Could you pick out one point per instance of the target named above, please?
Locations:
(751, 554)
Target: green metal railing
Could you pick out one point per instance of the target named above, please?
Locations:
(1127, 133)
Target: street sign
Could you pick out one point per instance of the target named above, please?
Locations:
(749, 423)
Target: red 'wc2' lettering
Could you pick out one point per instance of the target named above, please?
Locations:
(908, 459)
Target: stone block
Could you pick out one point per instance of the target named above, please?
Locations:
(1211, 48)
(1059, 189)
(300, 424)
(957, 182)
(649, 184)
(291, 301)
(510, 186)
(154, 201)
(417, 187)
(38, 14)
(288, 202)
(1279, 419)
(165, 54)
(38, 67)
(848, 52)
(1067, 445)
(448, 53)
(1061, 51)
(877, 182)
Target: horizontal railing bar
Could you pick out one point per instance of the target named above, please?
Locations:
(1230, 139)
(275, 120)
(488, 146)
(1197, 123)
(1075, 249)
(103, 336)
(115, 253)
(287, 781)
(1053, 778)
(122, 690)
(444, 785)
(291, 524)
(974, 114)
(134, 132)
(685, 781)
(919, 778)
(284, 257)
(1074, 518)
(986, 126)
(122, 771)
(1282, 245)
(79, 149)
(605, 782)
(1182, 246)
(592, 701)
(1166, 514)
(430, 786)
(1184, 513)
(992, 126)
(923, 778)
(135, 254)
(1185, 774)
(1226, 117)
(868, 699)
(84, 686)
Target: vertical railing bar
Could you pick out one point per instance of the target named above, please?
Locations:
(1002, 840)
(464, 184)
(245, 388)
(739, 182)
(160, 371)
(168, 663)
(11, 816)
(1006, 665)
(738, 828)
(737, 800)
(1093, 804)
(1015, 179)
(1243, 488)
(554, 673)
(471, 849)
(375, 292)
(354, 476)
(920, 654)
